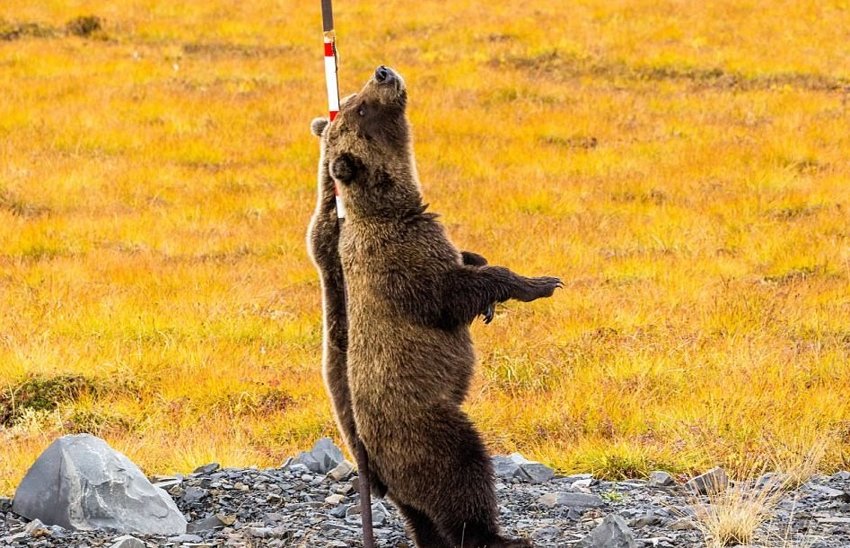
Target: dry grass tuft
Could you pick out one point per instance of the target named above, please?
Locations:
(732, 516)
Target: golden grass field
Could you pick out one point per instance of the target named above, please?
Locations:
(684, 166)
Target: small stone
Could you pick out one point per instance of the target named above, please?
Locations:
(537, 473)
(205, 524)
(185, 538)
(37, 529)
(227, 519)
(649, 518)
(571, 500)
(712, 482)
(239, 486)
(323, 458)
(342, 471)
(843, 475)
(339, 511)
(504, 467)
(379, 514)
(660, 478)
(127, 541)
(334, 499)
(683, 524)
(827, 492)
(583, 484)
(611, 533)
(194, 494)
(207, 468)
(545, 533)
(833, 520)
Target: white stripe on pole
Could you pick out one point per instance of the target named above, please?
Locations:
(330, 78)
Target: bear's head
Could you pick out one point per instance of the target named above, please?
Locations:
(369, 151)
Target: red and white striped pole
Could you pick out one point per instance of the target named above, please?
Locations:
(365, 487)
(331, 79)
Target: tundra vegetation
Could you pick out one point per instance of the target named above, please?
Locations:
(683, 167)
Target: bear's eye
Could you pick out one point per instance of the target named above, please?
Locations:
(361, 110)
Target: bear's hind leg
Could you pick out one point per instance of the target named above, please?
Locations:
(448, 475)
(421, 529)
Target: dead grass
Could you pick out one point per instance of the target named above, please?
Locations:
(682, 167)
(732, 515)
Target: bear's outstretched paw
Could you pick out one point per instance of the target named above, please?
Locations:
(537, 288)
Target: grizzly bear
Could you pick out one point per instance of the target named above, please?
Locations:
(322, 246)
(408, 352)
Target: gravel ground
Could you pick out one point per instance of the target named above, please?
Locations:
(293, 506)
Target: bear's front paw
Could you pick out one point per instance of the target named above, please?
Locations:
(537, 288)
(344, 168)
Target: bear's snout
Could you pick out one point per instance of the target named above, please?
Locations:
(383, 74)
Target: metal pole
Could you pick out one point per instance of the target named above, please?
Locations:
(365, 485)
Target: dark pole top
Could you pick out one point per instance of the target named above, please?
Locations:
(327, 16)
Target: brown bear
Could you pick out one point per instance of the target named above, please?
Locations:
(323, 247)
(411, 299)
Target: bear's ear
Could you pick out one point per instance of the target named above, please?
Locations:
(318, 125)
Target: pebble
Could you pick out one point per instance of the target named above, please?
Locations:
(659, 478)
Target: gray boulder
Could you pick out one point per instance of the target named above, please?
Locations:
(611, 533)
(80, 483)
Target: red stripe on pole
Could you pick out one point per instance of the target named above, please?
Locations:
(329, 49)
(333, 114)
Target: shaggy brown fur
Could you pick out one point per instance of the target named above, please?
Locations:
(411, 300)
(323, 247)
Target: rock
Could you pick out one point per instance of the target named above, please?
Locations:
(583, 484)
(711, 483)
(379, 514)
(515, 466)
(544, 533)
(611, 533)
(81, 483)
(772, 481)
(328, 455)
(185, 538)
(570, 500)
(659, 478)
(334, 499)
(194, 494)
(207, 468)
(127, 541)
(834, 520)
(504, 467)
(537, 473)
(323, 458)
(844, 475)
(207, 523)
(342, 471)
(684, 524)
(827, 492)
(647, 519)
